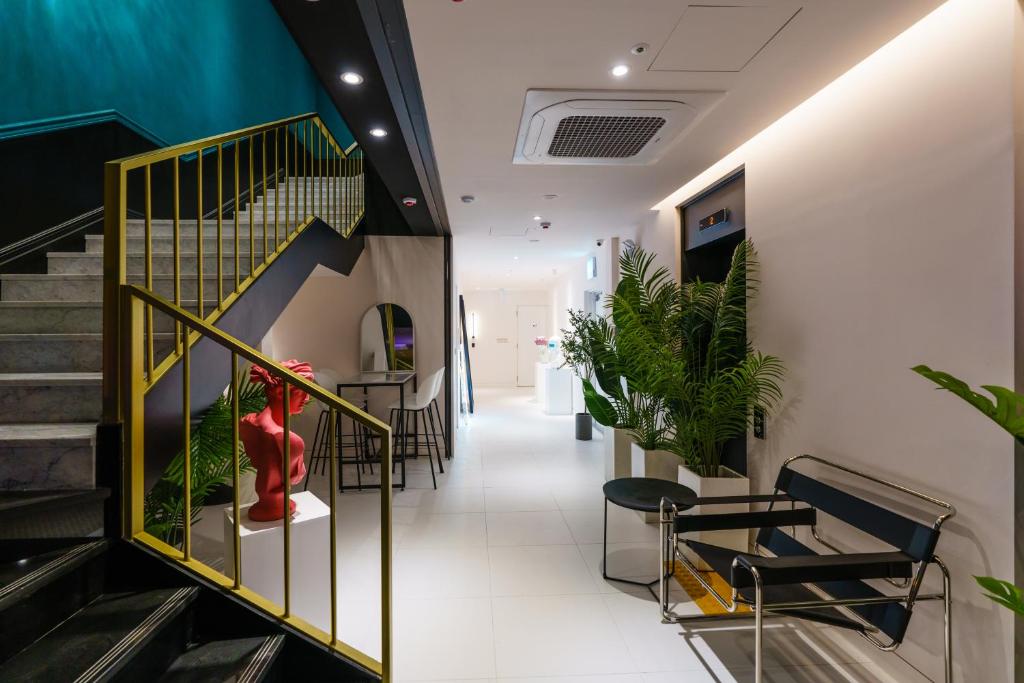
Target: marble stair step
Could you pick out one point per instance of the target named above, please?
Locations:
(53, 397)
(37, 287)
(84, 263)
(137, 245)
(47, 456)
(42, 317)
(64, 352)
(236, 659)
(108, 639)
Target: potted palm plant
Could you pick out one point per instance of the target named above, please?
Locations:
(714, 381)
(613, 406)
(576, 354)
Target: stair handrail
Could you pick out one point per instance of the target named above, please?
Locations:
(331, 181)
(135, 301)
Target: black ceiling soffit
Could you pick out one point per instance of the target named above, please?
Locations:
(371, 38)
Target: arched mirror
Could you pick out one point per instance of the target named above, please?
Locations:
(386, 339)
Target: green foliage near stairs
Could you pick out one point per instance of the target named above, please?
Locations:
(211, 464)
(1008, 412)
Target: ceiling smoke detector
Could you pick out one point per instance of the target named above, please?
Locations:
(605, 127)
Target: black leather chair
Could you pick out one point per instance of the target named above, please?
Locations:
(784, 576)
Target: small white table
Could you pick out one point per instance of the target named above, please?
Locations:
(263, 557)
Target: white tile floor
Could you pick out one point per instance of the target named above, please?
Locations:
(497, 575)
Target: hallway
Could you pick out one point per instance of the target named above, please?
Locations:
(497, 574)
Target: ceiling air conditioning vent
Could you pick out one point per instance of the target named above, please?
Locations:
(603, 137)
(605, 127)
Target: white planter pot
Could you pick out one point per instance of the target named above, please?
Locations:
(655, 464)
(617, 456)
(729, 483)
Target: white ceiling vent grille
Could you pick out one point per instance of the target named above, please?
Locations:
(603, 137)
(605, 127)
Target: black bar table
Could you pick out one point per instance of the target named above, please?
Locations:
(366, 380)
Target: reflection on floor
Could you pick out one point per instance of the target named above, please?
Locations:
(497, 575)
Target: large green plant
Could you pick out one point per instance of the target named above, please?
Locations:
(577, 343)
(211, 464)
(713, 378)
(627, 352)
(1007, 411)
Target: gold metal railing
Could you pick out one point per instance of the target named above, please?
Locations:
(137, 306)
(310, 175)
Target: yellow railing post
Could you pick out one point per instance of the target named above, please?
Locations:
(385, 554)
(133, 390)
(115, 207)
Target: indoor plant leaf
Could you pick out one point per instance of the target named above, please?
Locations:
(1003, 593)
(599, 406)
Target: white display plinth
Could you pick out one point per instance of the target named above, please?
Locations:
(263, 557)
(557, 391)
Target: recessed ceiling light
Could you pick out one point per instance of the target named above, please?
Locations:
(378, 132)
(467, 199)
(351, 77)
(515, 258)
(620, 70)
(536, 218)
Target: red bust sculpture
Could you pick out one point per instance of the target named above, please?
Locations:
(263, 436)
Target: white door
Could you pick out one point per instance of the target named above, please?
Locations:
(531, 322)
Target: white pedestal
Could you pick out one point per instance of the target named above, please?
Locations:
(557, 391)
(263, 557)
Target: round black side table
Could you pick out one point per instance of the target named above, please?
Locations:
(644, 495)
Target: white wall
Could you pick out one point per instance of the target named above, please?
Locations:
(321, 324)
(883, 211)
(493, 361)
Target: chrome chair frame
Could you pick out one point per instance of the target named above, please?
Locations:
(669, 511)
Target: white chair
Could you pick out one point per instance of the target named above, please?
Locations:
(358, 440)
(422, 407)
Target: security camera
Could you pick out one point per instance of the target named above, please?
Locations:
(640, 48)
(409, 201)
(545, 225)
(600, 242)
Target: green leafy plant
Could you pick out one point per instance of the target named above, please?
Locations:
(1007, 411)
(713, 378)
(577, 344)
(211, 464)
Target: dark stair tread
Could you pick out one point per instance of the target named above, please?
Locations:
(20, 503)
(94, 632)
(223, 661)
(23, 577)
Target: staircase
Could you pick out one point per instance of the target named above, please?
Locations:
(50, 334)
(109, 611)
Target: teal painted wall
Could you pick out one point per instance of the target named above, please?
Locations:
(181, 69)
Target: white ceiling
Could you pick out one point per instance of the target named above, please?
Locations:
(476, 60)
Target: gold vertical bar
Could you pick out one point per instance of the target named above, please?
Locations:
(238, 272)
(252, 206)
(287, 182)
(236, 474)
(295, 170)
(305, 170)
(134, 392)
(333, 456)
(285, 452)
(277, 192)
(115, 215)
(199, 233)
(320, 165)
(150, 361)
(177, 253)
(186, 433)
(220, 225)
(385, 554)
(264, 160)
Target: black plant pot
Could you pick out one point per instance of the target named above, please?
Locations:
(584, 427)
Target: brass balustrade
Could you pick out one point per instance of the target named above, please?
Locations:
(331, 179)
(136, 302)
(320, 180)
